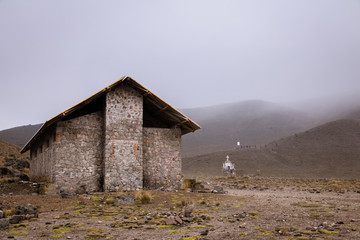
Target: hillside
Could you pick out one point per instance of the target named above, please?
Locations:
(13, 164)
(19, 135)
(329, 150)
(250, 122)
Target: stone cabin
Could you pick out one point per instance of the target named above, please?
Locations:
(123, 137)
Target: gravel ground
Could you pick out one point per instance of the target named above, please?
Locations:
(239, 214)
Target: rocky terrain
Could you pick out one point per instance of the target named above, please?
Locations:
(251, 208)
(13, 165)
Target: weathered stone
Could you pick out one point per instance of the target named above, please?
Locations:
(15, 219)
(178, 220)
(25, 209)
(218, 189)
(1, 214)
(162, 151)
(4, 223)
(124, 199)
(188, 219)
(123, 141)
(170, 221)
(66, 194)
(173, 220)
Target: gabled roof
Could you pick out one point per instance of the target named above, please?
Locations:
(177, 118)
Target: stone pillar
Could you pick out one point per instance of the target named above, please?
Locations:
(123, 139)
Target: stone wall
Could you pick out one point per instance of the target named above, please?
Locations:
(123, 139)
(43, 156)
(162, 159)
(79, 153)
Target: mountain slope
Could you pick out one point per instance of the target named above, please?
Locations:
(19, 135)
(329, 150)
(12, 162)
(250, 122)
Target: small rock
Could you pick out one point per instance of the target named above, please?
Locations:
(353, 220)
(125, 199)
(242, 225)
(15, 219)
(188, 190)
(4, 223)
(297, 235)
(170, 221)
(178, 220)
(218, 189)
(66, 194)
(242, 215)
(25, 209)
(339, 222)
(1, 214)
(188, 219)
(204, 233)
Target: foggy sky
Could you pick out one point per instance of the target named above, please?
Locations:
(54, 54)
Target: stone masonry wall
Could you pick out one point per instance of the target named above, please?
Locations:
(123, 139)
(79, 153)
(43, 157)
(162, 159)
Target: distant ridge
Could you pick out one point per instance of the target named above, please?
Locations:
(19, 135)
(331, 150)
(250, 122)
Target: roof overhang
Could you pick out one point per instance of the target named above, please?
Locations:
(180, 120)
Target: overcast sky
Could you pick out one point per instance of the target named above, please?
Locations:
(192, 53)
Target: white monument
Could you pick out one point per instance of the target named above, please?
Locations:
(228, 167)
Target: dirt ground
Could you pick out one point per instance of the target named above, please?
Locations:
(284, 212)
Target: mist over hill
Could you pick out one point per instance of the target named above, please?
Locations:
(250, 122)
(331, 150)
(258, 122)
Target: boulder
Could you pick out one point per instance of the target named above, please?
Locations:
(66, 194)
(25, 209)
(218, 189)
(15, 219)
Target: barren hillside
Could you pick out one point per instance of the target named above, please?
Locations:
(329, 150)
(250, 122)
(19, 135)
(12, 162)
